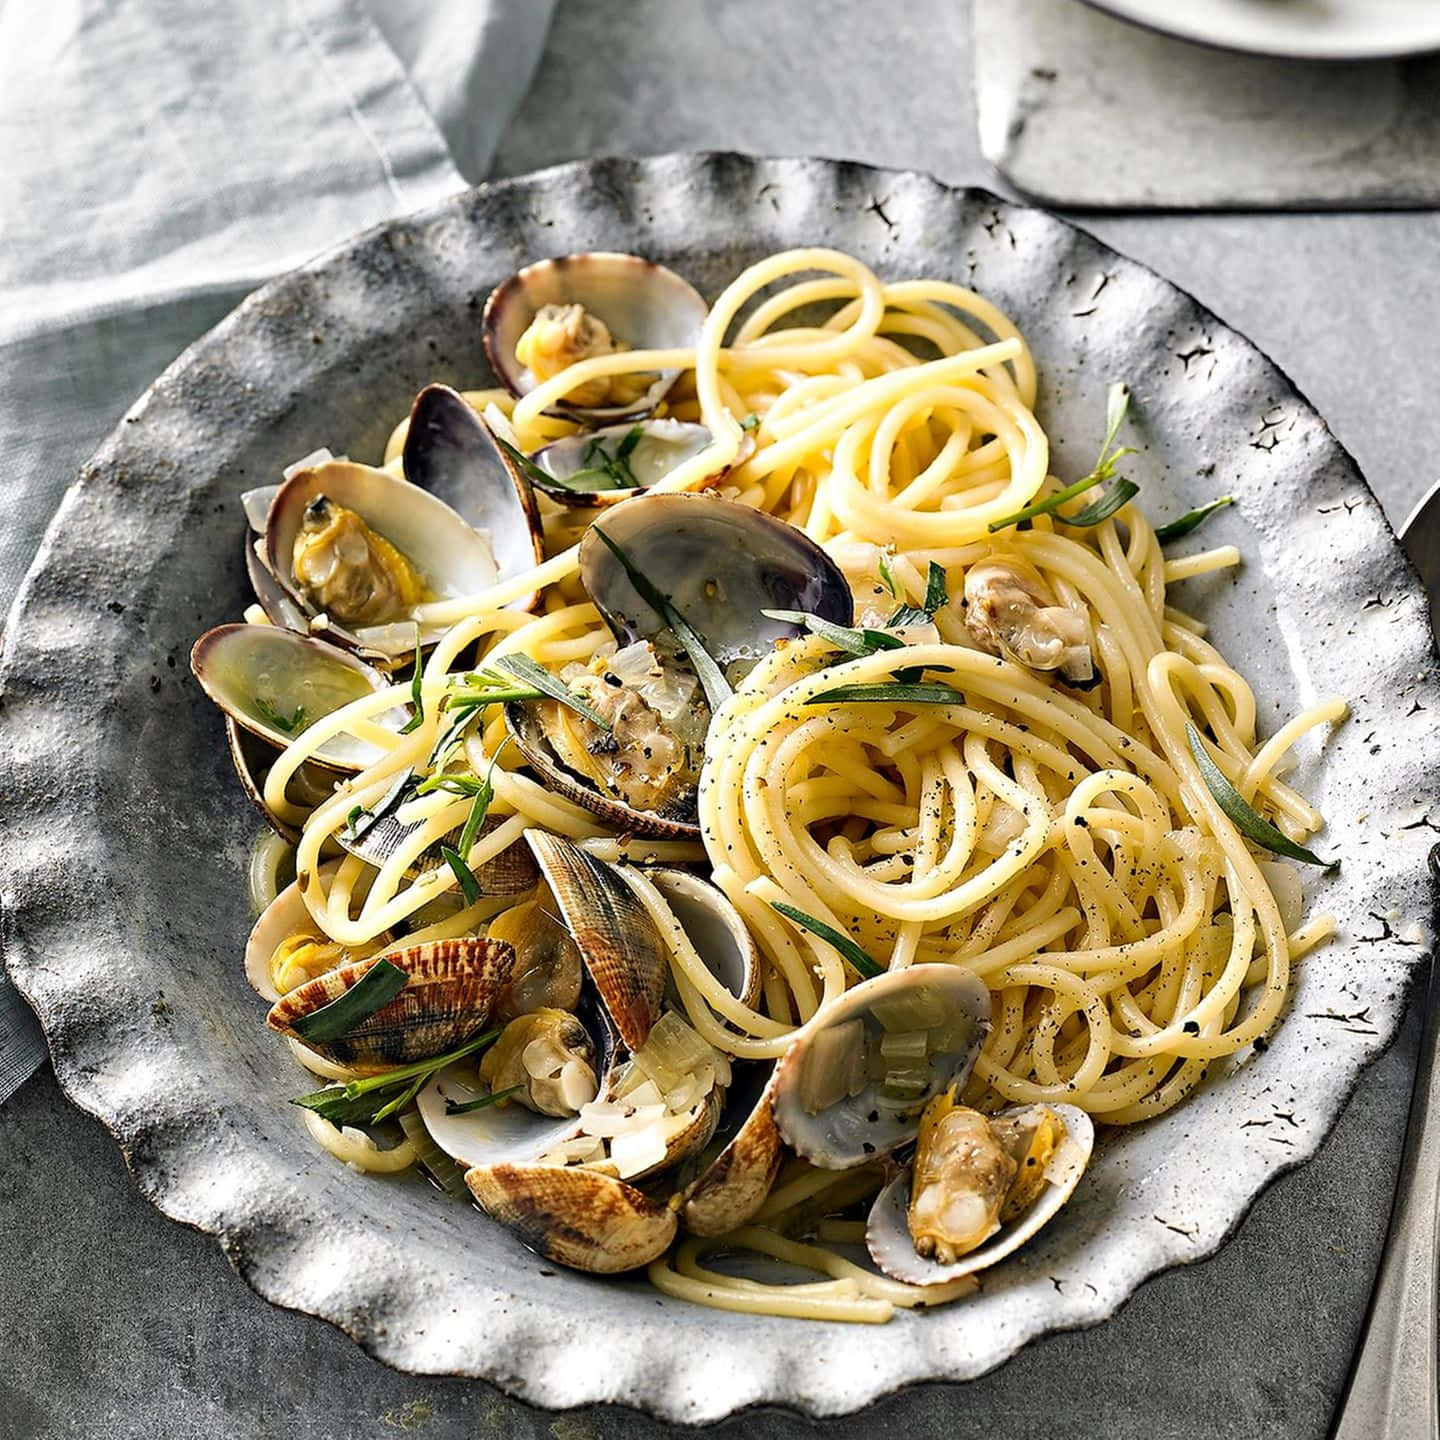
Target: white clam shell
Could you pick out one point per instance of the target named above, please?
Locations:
(887, 1233)
(860, 1127)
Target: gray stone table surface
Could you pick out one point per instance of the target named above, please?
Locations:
(117, 1323)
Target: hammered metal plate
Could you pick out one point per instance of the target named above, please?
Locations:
(123, 835)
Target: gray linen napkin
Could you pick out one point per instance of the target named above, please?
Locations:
(161, 159)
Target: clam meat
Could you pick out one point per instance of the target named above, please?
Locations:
(979, 1187)
(1010, 612)
(346, 570)
(547, 1057)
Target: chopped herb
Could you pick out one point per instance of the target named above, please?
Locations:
(417, 681)
(401, 1100)
(480, 806)
(355, 1103)
(522, 667)
(901, 693)
(1115, 498)
(527, 465)
(843, 943)
(469, 885)
(458, 1107)
(936, 598)
(750, 422)
(842, 637)
(883, 564)
(375, 989)
(287, 725)
(451, 784)
(465, 713)
(599, 470)
(712, 679)
(351, 829)
(1117, 403)
(1247, 820)
(1190, 520)
(936, 595)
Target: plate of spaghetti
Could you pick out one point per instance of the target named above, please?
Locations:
(788, 778)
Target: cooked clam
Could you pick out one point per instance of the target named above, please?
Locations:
(1010, 611)
(624, 953)
(657, 1103)
(452, 988)
(575, 1216)
(357, 549)
(554, 313)
(450, 452)
(721, 938)
(600, 467)
(275, 683)
(283, 919)
(642, 773)
(734, 1181)
(978, 1188)
(856, 1078)
(379, 833)
(548, 967)
(252, 757)
(548, 1058)
(721, 565)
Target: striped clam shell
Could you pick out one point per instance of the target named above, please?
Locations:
(623, 951)
(733, 1186)
(574, 1216)
(452, 989)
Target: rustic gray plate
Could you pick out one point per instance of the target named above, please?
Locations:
(123, 835)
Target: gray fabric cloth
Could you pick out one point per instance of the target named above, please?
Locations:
(162, 158)
(1077, 108)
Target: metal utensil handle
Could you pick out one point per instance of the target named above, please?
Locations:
(1391, 1394)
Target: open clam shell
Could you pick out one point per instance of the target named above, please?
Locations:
(279, 608)
(624, 953)
(524, 720)
(659, 447)
(450, 452)
(887, 1233)
(252, 757)
(643, 305)
(721, 938)
(574, 1216)
(284, 916)
(734, 1182)
(452, 989)
(451, 558)
(376, 839)
(720, 564)
(836, 1124)
(274, 682)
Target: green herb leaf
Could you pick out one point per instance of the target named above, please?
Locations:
(417, 699)
(1115, 498)
(1117, 403)
(376, 988)
(712, 678)
(627, 446)
(469, 885)
(932, 693)
(522, 667)
(286, 724)
(355, 1103)
(354, 821)
(451, 784)
(1190, 520)
(1245, 818)
(750, 422)
(936, 595)
(458, 1107)
(842, 637)
(908, 615)
(401, 1100)
(843, 943)
(886, 575)
(531, 469)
